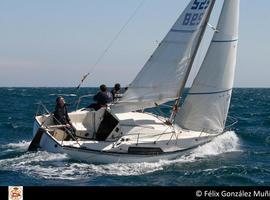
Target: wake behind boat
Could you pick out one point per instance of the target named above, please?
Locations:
(123, 132)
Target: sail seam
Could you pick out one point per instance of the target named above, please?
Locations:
(183, 31)
(221, 41)
(206, 93)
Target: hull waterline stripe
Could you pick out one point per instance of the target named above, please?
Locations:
(129, 154)
(224, 41)
(206, 93)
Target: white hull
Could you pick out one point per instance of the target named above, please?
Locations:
(103, 152)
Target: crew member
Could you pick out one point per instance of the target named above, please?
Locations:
(116, 92)
(102, 98)
(61, 116)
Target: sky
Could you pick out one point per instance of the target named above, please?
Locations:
(54, 43)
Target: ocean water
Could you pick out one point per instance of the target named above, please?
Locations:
(240, 157)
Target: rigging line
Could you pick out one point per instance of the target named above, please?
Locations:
(112, 42)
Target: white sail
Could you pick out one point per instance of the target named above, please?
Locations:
(166, 70)
(207, 104)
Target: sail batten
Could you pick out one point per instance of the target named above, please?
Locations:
(184, 31)
(208, 93)
(166, 70)
(223, 41)
(207, 105)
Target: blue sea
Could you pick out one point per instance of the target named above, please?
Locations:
(240, 157)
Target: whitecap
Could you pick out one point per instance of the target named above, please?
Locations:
(22, 145)
(227, 142)
(64, 95)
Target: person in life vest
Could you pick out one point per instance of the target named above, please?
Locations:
(102, 98)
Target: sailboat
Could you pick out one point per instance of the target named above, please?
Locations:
(124, 132)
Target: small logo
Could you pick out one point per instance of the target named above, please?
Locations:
(199, 193)
(15, 193)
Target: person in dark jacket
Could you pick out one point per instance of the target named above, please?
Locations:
(103, 97)
(61, 115)
(116, 92)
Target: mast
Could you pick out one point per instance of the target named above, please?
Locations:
(182, 87)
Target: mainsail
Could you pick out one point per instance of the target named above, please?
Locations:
(166, 70)
(207, 104)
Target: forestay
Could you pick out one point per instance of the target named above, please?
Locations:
(166, 70)
(207, 104)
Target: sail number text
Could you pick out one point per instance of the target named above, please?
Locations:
(200, 5)
(192, 19)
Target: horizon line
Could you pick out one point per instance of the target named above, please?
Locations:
(67, 87)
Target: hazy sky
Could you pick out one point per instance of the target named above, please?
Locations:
(55, 42)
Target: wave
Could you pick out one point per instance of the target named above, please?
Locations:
(58, 166)
(23, 145)
(227, 142)
(11, 148)
(64, 95)
(26, 95)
